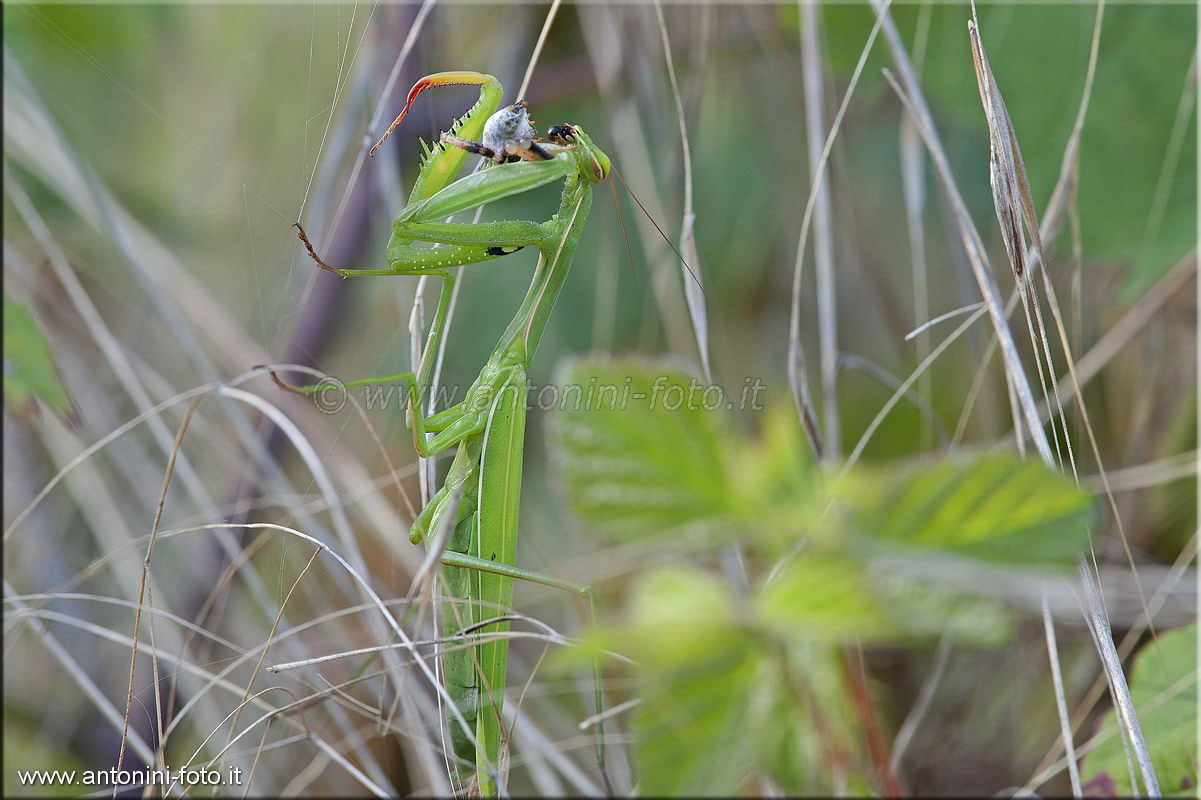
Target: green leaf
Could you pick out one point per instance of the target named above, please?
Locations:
(823, 596)
(637, 452)
(1163, 685)
(29, 372)
(777, 485)
(701, 680)
(997, 508)
(675, 612)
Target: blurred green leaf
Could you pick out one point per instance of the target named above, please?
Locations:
(823, 596)
(29, 371)
(677, 611)
(736, 686)
(638, 454)
(998, 508)
(1163, 685)
(777, 485)
(725, 697)
(698, 671)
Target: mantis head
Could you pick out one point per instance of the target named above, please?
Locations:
(593, 163)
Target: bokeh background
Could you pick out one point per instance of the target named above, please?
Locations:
(156, 156)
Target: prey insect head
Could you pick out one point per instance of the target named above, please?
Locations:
(594, 164)
(561, 134)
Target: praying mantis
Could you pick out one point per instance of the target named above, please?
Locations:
(480, 494)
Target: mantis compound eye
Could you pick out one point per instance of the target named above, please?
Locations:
(561, 134)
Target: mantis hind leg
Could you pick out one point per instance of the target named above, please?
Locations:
(485, 476)
(583, 592)
(480, 564)
(496, 542)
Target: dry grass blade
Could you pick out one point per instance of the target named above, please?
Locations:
(1131, 323)
(1006, 169)
(911, 95)
(1022, 399)
(1155, 473)
(142, 589)
(534, 56)
(1061, 703)
(823, 246)
(1168, 590)
(694, 294)
(1005, 158)
(1012, 201)
(1065, 185)
(1171, 158)
(263, 653)
(921, 705)
(797, 374)
(1012, 198)
(913, 192)
(1123, 702)
(78, 673)
(1057, 207)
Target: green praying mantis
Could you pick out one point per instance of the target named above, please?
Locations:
(480, 494)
